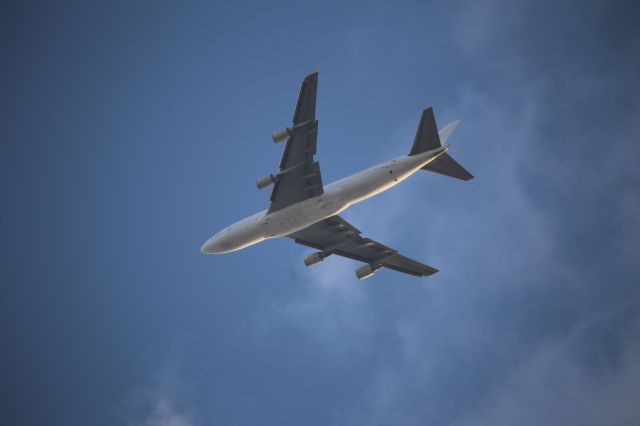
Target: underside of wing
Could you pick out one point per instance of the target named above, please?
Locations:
(299, 177)
(335, 235)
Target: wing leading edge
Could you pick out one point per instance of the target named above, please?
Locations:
(335, 235)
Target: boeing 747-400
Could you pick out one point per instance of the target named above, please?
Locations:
(305, 210)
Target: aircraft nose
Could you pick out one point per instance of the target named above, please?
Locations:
(210, 247)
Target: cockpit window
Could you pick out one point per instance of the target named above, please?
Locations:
(222, 232)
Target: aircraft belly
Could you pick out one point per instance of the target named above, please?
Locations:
(337, 198)
(373, 183)
(301, 215)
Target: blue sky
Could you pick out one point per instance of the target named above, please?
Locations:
(131, 132)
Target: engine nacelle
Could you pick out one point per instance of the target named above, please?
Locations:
(313, 258)
(266, 181)
(281, 135)
(365, 272)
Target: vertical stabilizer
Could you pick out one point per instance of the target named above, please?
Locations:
(427, 137)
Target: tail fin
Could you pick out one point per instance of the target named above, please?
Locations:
(428, 138)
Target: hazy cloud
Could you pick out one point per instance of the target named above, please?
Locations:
(162, 402)
(515, 329)
(132, 128)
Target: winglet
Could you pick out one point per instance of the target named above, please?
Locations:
(306, 106)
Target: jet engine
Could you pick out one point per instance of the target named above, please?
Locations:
(281, 135)
(365, 272)
(313, 258)
(266, 181)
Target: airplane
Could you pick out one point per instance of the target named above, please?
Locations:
(303, 209)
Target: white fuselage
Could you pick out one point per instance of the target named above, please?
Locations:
(336, 197)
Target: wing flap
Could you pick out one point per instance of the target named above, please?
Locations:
(296, 184)
(301, 145)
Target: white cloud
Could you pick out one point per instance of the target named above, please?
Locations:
(162, 402)
(333, 311)
(162, 411)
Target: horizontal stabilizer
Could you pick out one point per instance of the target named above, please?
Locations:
(445, 165)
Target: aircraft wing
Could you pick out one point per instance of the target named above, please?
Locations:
(299, 177)
(335, 235)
